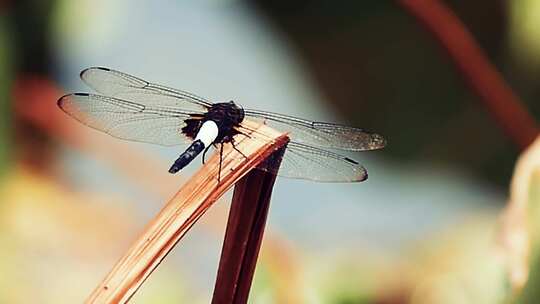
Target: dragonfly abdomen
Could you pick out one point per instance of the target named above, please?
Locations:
(205, 137)
(185, 158)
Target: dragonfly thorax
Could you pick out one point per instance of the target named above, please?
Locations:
(226, 115)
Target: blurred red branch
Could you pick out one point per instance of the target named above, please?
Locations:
(496, 95)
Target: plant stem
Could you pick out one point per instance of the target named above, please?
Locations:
(245, 229)
(496, 95)
(182, 211)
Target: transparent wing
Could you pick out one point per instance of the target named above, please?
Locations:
(306, 162)
(129, 120)
(321, 134)
(123, 86)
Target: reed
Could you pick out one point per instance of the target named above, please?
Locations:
(196, 196)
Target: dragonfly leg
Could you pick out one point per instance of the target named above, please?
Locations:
(246, 134)
(236, 149)
(220, 160)
(204, 154)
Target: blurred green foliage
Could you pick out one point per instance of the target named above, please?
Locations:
(6, 72)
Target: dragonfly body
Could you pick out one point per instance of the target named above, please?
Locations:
(218, 126)
(226, 115)
(131, 108)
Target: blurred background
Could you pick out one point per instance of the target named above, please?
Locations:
(417, 231)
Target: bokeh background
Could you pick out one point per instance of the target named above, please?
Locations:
(422, 229)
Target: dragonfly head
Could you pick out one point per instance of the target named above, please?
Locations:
(226, 115)
(237, 111)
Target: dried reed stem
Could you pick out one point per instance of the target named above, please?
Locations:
(245, 229)
(181, 212)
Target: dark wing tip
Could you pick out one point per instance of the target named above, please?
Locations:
(364, 174)
(61, 102)
(92, 68)
(351, 160)
(377, 141)
(364, 177)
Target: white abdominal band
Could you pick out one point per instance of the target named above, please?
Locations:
(208, 133)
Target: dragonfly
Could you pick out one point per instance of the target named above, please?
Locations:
(130, 108)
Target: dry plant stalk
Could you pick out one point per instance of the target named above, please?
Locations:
(515, 238)
(495, 94)
(182, 211)
(243, 238)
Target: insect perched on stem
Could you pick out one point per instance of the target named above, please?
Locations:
(134, 109)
